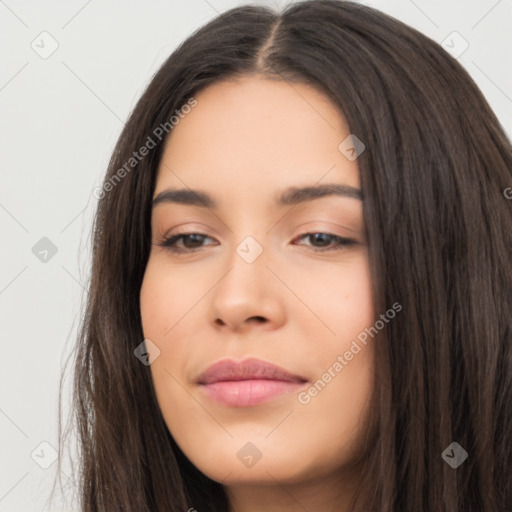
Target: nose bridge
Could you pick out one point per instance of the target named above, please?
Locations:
(247, 264)
(247, 289)
(250, 249)
(250, 239)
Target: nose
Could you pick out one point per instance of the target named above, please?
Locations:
(248, 295)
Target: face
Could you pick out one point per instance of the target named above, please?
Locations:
(257, 272)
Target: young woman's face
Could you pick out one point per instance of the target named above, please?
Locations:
(268, 275)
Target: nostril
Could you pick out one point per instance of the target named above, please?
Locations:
(258, 319)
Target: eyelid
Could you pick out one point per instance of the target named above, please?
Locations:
(187, 228)
(317, 227)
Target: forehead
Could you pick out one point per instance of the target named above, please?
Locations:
(251, 134)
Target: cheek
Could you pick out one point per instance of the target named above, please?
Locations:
(330, 415)
(335, 406)
(165, 297)
(341, 302)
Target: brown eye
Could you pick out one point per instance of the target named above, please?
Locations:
(190, 242)
(327, 241)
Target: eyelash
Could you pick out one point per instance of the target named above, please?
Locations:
(169, 243)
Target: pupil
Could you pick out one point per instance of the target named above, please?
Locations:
(319, 236)
(193, 238)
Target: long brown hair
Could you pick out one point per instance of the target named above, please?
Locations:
(433, 174)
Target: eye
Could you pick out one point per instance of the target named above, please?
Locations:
(191, 242)
(327, 241)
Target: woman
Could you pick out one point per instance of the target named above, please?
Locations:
(300, 294)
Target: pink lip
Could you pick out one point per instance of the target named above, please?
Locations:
(249, 382)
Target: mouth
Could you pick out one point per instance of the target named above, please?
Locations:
(247, 383)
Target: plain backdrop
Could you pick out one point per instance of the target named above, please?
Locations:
(60, 115)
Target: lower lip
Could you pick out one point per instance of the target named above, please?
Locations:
(245, 393)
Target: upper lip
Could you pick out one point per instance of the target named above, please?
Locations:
(229, 370)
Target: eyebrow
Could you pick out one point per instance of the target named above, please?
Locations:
(290, 196)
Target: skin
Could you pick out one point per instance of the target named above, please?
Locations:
(246, 141)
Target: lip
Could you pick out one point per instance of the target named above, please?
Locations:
(247, 383)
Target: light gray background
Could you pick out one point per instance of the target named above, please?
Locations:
(59, 120)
